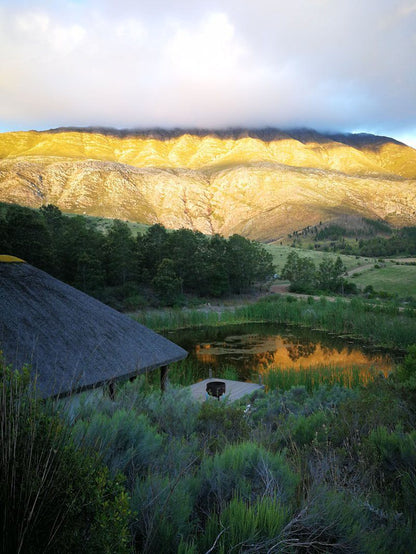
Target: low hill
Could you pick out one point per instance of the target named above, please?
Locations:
(262, 184)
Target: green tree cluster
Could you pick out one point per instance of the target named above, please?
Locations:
(402, 242)
(304, 277)
(171, 263)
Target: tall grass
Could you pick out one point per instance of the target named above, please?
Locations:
(187, 371)
(278, 378)
(242, 525)
(383, 325)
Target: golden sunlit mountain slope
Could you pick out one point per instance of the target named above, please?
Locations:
(261, 184)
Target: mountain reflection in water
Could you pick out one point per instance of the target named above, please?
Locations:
(254, 348)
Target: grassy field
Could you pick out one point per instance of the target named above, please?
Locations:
(392, 278)
(280, 254)
(104, 224)
(387, 276)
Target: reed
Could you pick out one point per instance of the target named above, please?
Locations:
(279, 378)
(382, 325)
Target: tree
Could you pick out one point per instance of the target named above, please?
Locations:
(301, 272)
(52, 216)
(247, 261)
(329, 274)
(151, 248)
(28, 237)
(166, 283)
(185, 248)
(119, 253)
(217, 278)
(80, 254)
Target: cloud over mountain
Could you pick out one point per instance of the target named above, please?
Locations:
(326, 64)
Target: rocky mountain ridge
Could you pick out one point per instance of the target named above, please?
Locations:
(262, 184)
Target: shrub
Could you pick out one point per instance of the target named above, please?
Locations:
(247, 471)
(174, 412)
(53, 497)
(335, 522)
(126, 441)
(392, 456)
(406, 372)
(220, 424)
(305, 429)
(163, 508)
(242, 526)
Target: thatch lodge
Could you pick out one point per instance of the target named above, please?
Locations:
(71, 341)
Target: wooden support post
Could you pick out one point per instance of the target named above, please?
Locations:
(111, 390)
(163, 377)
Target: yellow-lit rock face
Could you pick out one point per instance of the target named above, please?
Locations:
(262, 189)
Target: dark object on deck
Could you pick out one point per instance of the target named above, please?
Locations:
(216, 388)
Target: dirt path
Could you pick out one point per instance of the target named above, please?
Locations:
(359, 269)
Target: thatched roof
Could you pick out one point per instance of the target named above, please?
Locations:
(72, 341)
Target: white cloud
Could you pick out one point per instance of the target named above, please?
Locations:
(209, 49)
(323, 63)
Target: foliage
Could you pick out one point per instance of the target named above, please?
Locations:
(247, 470)
(339, 521)
(173, 413)
(301, 272)
(53, 496)
(76, 251)
(403, 242)
(324, 470)
(119, 254)
(166, 284)
(329, 275)
(391, 456)
(384, 325)
(126, 441)
(305, 278)
(220, 424)
(164, 508)
(25, 234)
(406, 372)
(243, 525)
(313, 377)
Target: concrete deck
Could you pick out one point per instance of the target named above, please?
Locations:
(234, 390)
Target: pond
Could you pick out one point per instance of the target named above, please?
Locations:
(253, 349)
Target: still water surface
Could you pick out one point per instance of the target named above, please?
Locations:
(254, 348)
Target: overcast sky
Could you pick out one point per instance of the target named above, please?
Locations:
(347, 65)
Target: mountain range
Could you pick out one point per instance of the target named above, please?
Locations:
(262, 183)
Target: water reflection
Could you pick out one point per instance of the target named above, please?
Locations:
(254, 348)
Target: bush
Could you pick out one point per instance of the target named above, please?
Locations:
(220, 424)
(126, 441)
(406, 372)
(163, 508)
(303, 430)
(53, 497)
(392, 456)
(247, 471)
(242, 525)
(335, 522)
